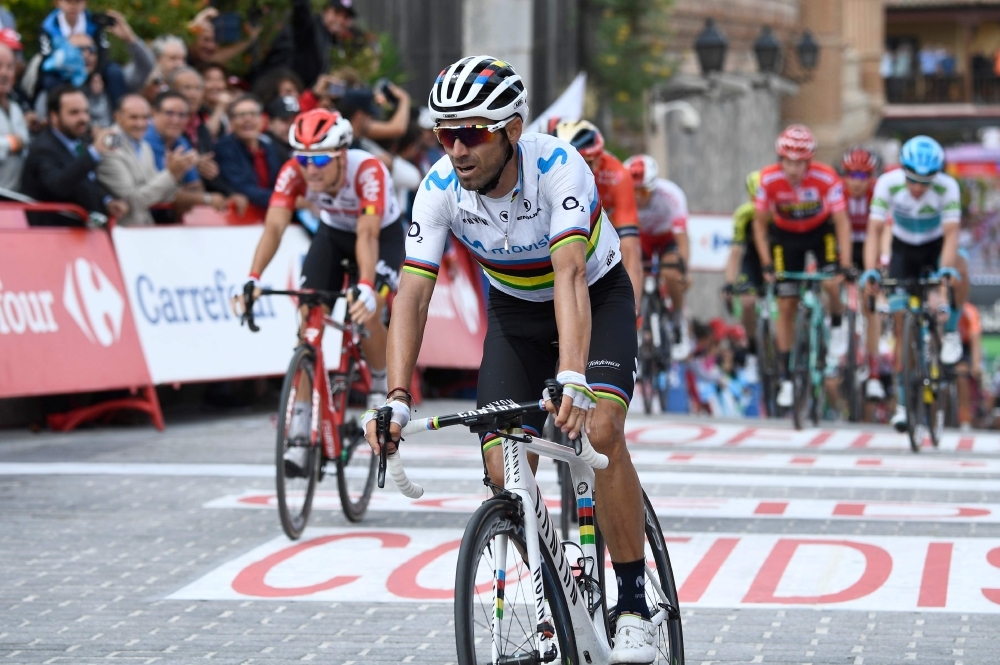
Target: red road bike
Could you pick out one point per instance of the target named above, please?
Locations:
(337, 401)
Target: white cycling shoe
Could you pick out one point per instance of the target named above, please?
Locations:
(633, 641)
(951, 348)
(898, 420)
(786, 394)
(297, 456)
(838, 345)
(680, 351)
(296, 459)
(874, 390)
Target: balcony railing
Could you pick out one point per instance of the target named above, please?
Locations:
(981, 88)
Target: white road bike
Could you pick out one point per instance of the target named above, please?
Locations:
(522, 597)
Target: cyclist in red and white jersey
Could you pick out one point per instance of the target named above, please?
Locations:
(663, 212)
(804, 200)
(354, 196)
(859, 168)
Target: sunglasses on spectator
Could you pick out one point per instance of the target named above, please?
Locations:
(179, 115)
(469, 135)
(319, 160)
(859, 175)
(89, 49)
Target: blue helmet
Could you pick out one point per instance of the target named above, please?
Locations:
(922, 158)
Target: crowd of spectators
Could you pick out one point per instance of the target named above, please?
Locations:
(168, 128)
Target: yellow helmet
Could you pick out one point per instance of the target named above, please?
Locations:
(753, 182)
(582, 135)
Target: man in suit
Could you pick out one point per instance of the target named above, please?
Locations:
(248, 160)
(61, 165)
(130, 172)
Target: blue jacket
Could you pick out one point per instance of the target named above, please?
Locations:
(236, 168)
(63, 60)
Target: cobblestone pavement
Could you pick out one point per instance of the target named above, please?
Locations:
(136, 546)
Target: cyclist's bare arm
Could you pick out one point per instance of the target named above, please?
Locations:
(572, 305)
(632, 260)
(873, 242)
(683, 246)
(842, 227)
(949, 250)
(734, 262)
(366, 246)
(275, 223)
(760, 220)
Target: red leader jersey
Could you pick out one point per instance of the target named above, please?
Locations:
(804, 208)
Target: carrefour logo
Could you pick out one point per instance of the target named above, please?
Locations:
(192, 303)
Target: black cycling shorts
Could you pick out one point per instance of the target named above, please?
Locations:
(751, 277)
(323, 269)
(788, 250)
(520, 350)
(911, 261)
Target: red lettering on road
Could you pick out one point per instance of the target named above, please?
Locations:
(260, 500)
(771, 508)
(862, 441)
(802, 460)
(633, 436)
(937, 569)
(993, 558)
(878, 565)
(706, 570)
(820, 439)
(403, 581)
(966, 443)
(251, 580)
(851, 509)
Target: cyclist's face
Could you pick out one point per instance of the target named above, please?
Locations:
(329, 178)
(642, 197)
(794, 169)
(856, 187)
(916, 189)
(477, 165)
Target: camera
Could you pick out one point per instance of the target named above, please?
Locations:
(383, 87)
(336, 89)
(103, 20)
(113, 141)
(228, 28)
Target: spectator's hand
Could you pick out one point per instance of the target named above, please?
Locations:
(121, 29)
(35, 124)
(208, 168)
(204, 17)
(80, 40)
(117, 208)
(217, 201)
(398, 92)
(96, 84)
(253, 31)
(222, 101)
(180, 161)
(240, 204)
(101, 142)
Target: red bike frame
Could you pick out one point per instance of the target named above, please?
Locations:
(328, 417)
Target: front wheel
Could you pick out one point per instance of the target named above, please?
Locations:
(295, 490)
(935, 398)
(356, 465)
(768, 366)
(913, 382)
(801, 375)
(494, 599)
(852, 388)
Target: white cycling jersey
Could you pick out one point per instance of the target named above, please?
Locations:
(554, 203)
(916, 221)
(666, 212)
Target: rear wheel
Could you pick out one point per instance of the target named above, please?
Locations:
(767, 356)
(494, 538)
(935, 398)
(648, 365)
(356, 466)
(852, 389)
(913, 382)
(295, 491)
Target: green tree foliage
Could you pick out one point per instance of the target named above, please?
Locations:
(631, 39)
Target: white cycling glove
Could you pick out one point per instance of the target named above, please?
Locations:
(575, 386)
(400, 414)
(366, 295)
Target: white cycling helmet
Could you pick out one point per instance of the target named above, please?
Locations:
(478, 86)
(320, 129)
(643, 169)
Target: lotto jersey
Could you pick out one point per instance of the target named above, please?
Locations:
(857, 211)
(367, 190)
(666, 212)
(916, 221)
(554, 203)
(614, 185)
(800, 209)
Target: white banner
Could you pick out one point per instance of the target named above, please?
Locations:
(180, 281)
(569, 105)
(710, 236)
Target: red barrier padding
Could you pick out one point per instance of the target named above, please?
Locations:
(209, 216)
(456, 318)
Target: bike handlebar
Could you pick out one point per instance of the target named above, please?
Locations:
(493, 417)
(305, 296)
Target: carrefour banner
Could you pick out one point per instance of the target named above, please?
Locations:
(65, 324)
(710, 238)
(179, 282)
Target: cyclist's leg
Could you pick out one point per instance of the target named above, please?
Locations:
(964, 388)
(751, 277)
(518, 356)
(827, 255)
(618, 492)
(788, 254)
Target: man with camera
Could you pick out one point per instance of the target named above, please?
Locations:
(62, 164)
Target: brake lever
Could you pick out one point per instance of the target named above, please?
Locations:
(382, 422)
(555, 396)
(248, 299)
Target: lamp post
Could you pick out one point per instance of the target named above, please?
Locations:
(711, 46)
(767, 48)
(808, 51)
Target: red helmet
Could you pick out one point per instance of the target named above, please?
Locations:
(859, 160)
(643, 169)
(796, 143)
(320, 129)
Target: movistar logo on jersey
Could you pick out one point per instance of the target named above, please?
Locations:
(541, 243)
(545, 165)
(441, 183)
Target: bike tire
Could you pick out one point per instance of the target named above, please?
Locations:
(817, 406)
(913, 381)
(801, 381)
(767, 362)
(647, 358)
(356, 461)
(852, 390)
(665, 359)
(294, 516)
(494, 518)
(670, 636)
(938, 381)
